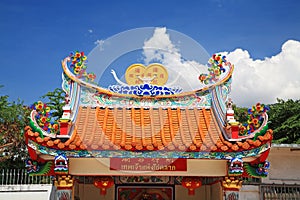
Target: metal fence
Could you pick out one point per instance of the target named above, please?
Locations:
(20, 177)
(280, 192)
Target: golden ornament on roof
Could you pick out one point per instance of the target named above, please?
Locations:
(155, 74)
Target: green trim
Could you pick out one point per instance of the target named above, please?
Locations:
(261, 132)
(36, 128)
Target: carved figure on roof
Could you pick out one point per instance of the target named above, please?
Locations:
(257, 170)
(230, 112)
(116, 77)
(37, 168)
(263, 168)
(144, 81)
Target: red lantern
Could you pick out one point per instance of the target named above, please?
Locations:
(103, 183)
(191, 183)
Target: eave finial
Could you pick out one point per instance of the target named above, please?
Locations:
(233, 124)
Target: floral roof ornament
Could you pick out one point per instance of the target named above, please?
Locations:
(78, 65)
(255, 119)
(215, 68)
(44, 118)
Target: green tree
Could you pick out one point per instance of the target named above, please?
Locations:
(285, 121)
(55, 100)
(14, 116)
(13, 119)
(240, 113)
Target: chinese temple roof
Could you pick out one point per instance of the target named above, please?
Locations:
(148, 117)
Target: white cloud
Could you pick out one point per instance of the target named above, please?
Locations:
(90, 31)
(159, 48)
(265, 80)
(99, 43)
(253, 80)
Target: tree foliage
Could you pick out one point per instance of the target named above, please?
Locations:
(14, 116)
(285, 121)
(240, 113)
(55, 100)
(13, 119)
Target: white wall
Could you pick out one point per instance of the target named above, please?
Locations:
(249, 192)
(284, 169)
(25, 192)
(284, 164)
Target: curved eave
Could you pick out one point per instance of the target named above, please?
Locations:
(108, 92)
(226, 146)
(209, 140)
(247, 155)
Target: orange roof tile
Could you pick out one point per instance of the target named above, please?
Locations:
(147, 129)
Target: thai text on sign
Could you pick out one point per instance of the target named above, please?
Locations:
(148, 164)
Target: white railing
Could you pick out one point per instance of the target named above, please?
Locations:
(280, 192)
(20, 177)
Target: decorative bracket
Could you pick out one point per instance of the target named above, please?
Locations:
(232, 183)
(64, 181)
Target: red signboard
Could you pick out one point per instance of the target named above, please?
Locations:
(148, 164)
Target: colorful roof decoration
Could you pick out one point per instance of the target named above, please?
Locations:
(144, 117)
(215, 68)
(44, 118)
(78, 66)
(144, 81)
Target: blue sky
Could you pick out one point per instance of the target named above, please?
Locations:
(37, 34)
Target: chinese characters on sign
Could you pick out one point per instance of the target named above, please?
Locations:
(148, 164)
